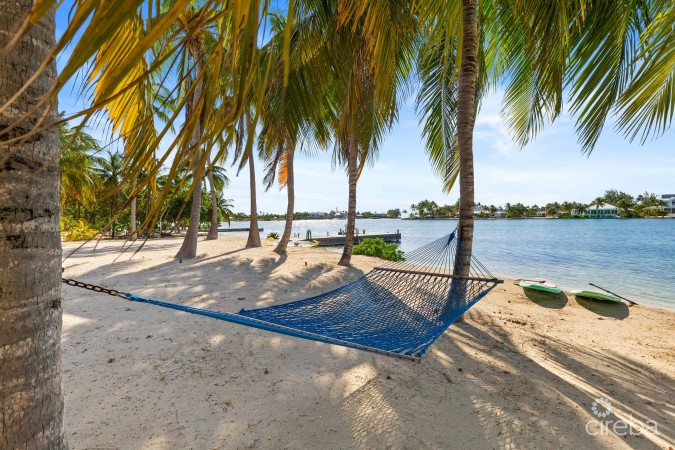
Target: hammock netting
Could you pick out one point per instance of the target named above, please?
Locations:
(398, 309)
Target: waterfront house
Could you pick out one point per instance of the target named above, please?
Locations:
(670, 203)
(603, 210)
(500, 214)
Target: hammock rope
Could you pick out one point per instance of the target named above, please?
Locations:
(398, 309)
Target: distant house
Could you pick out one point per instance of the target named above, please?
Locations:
(477, 210)
(317, 215)
(541, 213)
(500, 214)
(670, 203)
(338, 215)
(603, 210)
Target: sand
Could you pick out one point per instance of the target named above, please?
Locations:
(521, 372)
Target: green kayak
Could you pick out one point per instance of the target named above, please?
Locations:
(540, 285)
(596, 296)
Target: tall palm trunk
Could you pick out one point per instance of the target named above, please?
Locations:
(213, 229)
(31, 402)
(132, 211)
(466, 108)
(346, 258)
(253, 232)
(189, 247)
(465, 123)
(113, 214)
(290, 189)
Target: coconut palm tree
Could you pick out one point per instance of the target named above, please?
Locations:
(77, 164)
(289, 120)
(30, 245)
(244, 156)
(536, 50)
(218, 180)
(369, 89)
(28, 142)
(109, 171)
(599, 201)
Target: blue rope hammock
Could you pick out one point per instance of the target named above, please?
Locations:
(398, 309)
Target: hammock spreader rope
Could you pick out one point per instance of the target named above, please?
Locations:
(398, 309)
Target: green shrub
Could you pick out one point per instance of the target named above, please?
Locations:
(273, 235)
(378, 248)
(76, 230)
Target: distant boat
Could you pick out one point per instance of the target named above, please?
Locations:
(539, 284)
(596, 296)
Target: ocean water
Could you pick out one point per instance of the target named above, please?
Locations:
(634, 258)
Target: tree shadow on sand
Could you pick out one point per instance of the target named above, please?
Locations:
(489, 382)
(551, 382)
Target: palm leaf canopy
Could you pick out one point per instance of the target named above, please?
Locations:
(608, 59)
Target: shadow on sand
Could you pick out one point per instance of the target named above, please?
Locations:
(606, 309)
(546, 299)
(478, 386)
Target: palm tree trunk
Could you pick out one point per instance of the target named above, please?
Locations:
(132, 211)
(31, 401)
(346, 258)
(290, 188)
(465, 123)
(253, 232)
(188, 249)
(113, 211)
(213, 229)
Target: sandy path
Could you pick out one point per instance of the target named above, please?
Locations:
(520, 373)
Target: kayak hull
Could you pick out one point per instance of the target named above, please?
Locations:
(596, 296)
(544, 287)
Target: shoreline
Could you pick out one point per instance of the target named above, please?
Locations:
(519, 372)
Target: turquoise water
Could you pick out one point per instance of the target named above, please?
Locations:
(632, 257)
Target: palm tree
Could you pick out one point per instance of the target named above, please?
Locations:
(193, 117)
(217, 182)
(599, 201)
(288, 119)
(368, 93)
(77, 164)
(28, 89)
(244, 155)
(31, 401)
(109, 171)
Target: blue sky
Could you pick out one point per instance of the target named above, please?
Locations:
(550, 168)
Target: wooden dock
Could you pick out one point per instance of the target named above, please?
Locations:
(232, 230)
(329, 241)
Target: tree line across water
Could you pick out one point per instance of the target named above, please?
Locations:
(643, 205)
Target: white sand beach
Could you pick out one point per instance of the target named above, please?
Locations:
(519, 373)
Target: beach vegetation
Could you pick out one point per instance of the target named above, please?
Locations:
(76, 229)
(378, 248)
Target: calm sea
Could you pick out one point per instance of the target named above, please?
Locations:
(632, 257)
